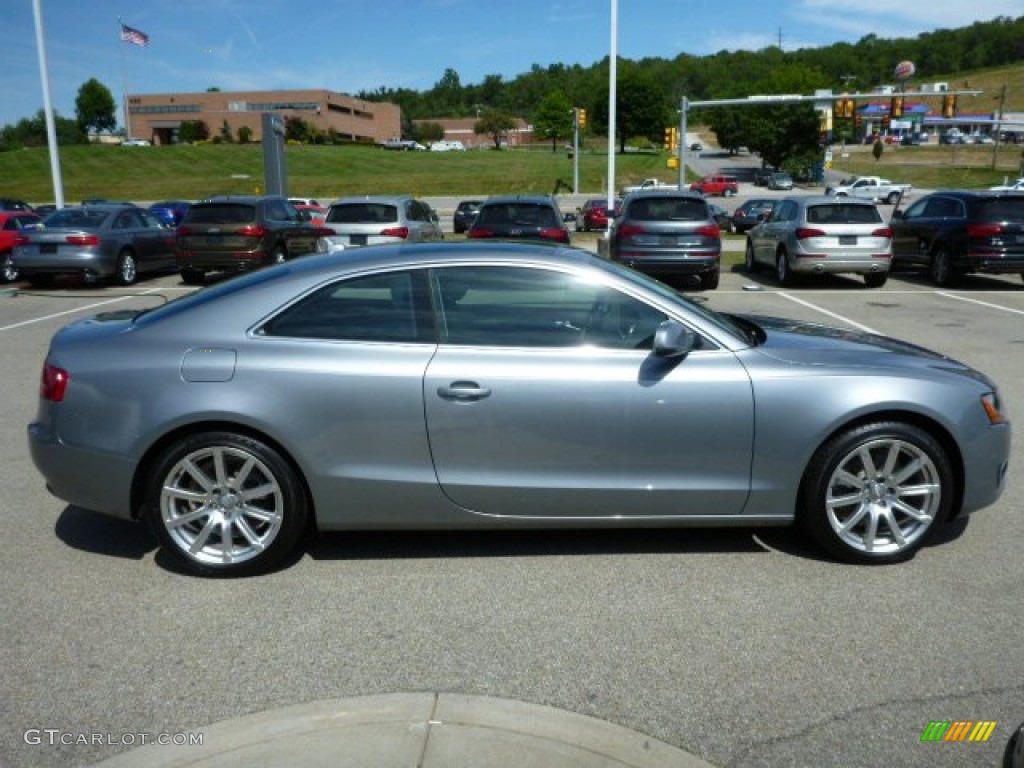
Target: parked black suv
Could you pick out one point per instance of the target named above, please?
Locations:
(242, 233)
(464, 214)
(510, 217)
(956, 232)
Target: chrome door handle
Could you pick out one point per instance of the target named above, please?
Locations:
(463, 390)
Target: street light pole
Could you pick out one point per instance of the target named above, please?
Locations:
(612, 97)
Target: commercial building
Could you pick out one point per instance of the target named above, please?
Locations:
(462, 129)
(158, 116)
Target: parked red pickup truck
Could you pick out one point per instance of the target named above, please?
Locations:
(717, 185)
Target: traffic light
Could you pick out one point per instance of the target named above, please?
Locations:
(581, 118)
(949, 106)
(669, 135)
(845, 107)
(896, 107)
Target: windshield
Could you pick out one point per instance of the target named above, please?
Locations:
(76, 218)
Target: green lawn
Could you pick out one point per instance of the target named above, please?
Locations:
(192, 172)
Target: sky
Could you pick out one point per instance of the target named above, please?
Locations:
(354, 45)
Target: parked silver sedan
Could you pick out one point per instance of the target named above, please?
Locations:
(97, 242)
(817, 234)
(500, 385)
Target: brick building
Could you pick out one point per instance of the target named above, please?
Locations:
(157, 116)
(461, 129)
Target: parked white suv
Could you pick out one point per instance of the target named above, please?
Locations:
(372, 220)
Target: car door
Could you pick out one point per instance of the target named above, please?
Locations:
(156, 242)
(916, 231)
(299, 237)
(766, 236)
(544, 400)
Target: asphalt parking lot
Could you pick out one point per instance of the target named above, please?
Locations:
(745, 648)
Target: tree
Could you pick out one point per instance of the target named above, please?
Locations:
(297, 129)
(244, 134)
(495, 124)
(553, 119)
(95, 107)
(225, 133)
(191, 131)
(877, 149)
(642, 107)
(428, 132)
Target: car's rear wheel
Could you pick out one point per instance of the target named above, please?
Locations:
(709, 280)
(193, 276)
(893, 198)
(875, 279)
(126, 271)
(224, 504)
(9, 272)
(942, 271)
(874, 493)
(41, 281)
(749, 262)
(279, 256)
(783, 273)
(730, 192)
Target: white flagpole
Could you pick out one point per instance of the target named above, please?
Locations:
(51, 128)
(124, 83)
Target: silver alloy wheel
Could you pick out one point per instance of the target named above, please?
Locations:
(221, 505)
(9, 273)
(126, 269)
(883, 496)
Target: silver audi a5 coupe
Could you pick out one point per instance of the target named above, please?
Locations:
(500, 385)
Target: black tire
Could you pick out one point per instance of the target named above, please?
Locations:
(127, 271)
(8, 272)
(875, 279)
(279, 255)
(942, 271)
(729, 192)
(193, 276)
(783, 273)
(876, 493)
(709, 280)
(749, 262)
(204, 519)
(893, 198)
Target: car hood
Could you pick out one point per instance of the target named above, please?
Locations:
(813, 344)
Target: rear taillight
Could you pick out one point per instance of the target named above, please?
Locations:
(480, 233)
(252, 230)
(984, 230)
(802, 233)
(184, 231)
(54, 383)
(402, 232)
(709, 230)
(83, 239)
(882, 232)
(555, 233)
(630, 230)
(21, 239)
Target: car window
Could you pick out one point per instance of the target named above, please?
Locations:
(152, 221)
(944, 207)
(521, 214)
(126, 220)
(222, 213)
(668, 209)
(1001, 209)
(76, 218)
(524, 307)
(843, 213)
(917, 209)
(363, 213)
(377, 308)
(277, 210)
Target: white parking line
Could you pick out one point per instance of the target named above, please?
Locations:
(44, 318)
(824, 311)
(982, 303)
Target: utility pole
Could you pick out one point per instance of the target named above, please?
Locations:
(999, 116)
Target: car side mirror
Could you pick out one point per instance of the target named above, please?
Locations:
(673, 339)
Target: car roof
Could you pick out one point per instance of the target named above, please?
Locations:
(805, 200)
(537, 199)
(688, 193)
(394, 199)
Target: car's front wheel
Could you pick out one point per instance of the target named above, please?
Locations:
(749, 262)
(875, 279)
(224, 504)
(874, 493)
(193, 276)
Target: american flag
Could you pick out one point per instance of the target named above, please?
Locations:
(134, 36)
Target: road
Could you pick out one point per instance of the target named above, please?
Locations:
(746, 648)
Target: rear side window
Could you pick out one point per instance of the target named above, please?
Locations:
(362, 213)
(221, 213)
(668, 209)
(378, 308)
(77, 218)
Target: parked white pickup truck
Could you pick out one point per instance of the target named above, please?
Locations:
(651, 184)
(872, 188)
